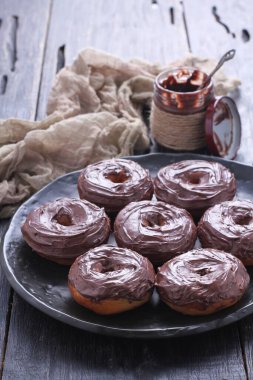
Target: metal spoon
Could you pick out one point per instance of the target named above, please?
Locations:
(226, 57)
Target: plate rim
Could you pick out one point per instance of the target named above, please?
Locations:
(166, 332)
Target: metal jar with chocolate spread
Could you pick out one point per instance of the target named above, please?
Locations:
(179, 108)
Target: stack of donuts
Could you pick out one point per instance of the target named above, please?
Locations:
(156, 223)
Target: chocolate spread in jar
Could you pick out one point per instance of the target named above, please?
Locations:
(182, 83)
(177, 91)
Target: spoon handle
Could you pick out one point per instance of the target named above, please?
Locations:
(226, 57)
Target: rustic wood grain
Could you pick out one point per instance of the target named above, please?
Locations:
(22, 41)
(246, 335)
(21, 59)
(40, 346)
(127, 28)
(5, 307)
(212, 39)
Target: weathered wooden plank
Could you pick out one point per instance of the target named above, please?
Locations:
(128, 29)
(246, 333)
(5, 294)
(22, 41)
(210, 38)
(40, 347)
(23, 29)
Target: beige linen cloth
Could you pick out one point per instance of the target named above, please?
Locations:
(95, 112)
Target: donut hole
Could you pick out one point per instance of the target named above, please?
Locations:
(63, 217)
(106, 266)
(195, 178)
(243, 219)
(117, 175)
(202, 272)
(153, 220)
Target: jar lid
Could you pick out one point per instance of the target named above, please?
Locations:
(223, 127)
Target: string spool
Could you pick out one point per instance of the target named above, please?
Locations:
(178, 110)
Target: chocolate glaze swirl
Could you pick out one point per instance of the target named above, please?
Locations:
(229, 226)
(195, 185)
(205, 276)
(114, 183)
(155, 229)
(112, 272)
(64, 229)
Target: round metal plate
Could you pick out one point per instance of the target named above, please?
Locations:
(44, 284)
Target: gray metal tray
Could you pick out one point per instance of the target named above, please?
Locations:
(44, 284)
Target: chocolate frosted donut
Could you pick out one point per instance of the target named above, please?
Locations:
(109, 279)
(114, 183)
(195, 185)
(155, 229)
(64, 229)
(202, 281)
(229, 226)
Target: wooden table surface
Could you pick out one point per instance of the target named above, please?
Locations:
(39, 37)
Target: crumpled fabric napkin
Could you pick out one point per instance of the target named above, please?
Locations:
(95, 112)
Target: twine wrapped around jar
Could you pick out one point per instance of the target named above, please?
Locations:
(178, 110)
(178, 132)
